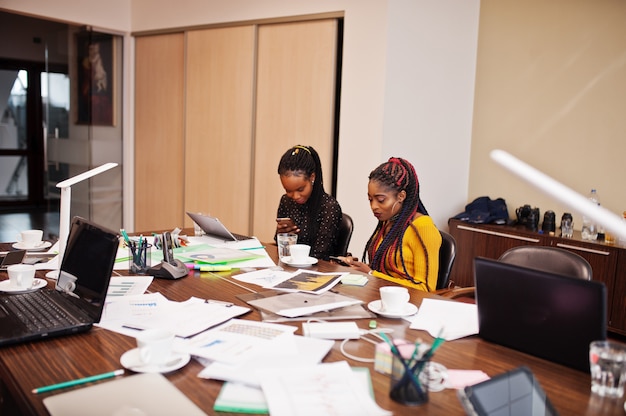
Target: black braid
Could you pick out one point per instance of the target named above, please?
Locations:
(396, 175)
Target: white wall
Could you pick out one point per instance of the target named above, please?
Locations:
(551, 90)
(407, 82)
(429, 95)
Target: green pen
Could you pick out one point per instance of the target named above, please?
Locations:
(78, 381)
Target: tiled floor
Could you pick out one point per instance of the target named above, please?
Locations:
(11, 223)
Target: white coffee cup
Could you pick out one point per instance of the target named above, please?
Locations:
(155, 346)
(31, 238)
(394, 298)
(21, 275)
(299, 253)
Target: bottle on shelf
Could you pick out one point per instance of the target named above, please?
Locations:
(589, 229)
(567, 225)
(622, 240)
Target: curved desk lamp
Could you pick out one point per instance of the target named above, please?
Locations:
(562, 193)
(64, 212)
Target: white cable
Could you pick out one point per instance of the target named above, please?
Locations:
(372, 332)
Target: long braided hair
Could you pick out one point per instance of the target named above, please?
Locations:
(396, 175)
(304, 161)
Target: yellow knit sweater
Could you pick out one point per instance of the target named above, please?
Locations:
(414, 256)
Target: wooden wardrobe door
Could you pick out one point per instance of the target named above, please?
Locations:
(159, 89)
(218, 124)
(294, 105)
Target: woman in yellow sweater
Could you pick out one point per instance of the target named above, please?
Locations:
(404, 247)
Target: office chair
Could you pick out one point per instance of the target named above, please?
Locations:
(549, 259)
(344, 234)
(447, 254)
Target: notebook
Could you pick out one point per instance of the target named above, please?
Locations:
(139, 394)
(86, 270)
(544, 314)
(214, 228)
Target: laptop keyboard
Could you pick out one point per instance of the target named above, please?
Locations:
(240, 237)
(38, 312)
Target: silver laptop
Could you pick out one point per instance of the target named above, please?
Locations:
(214, 228)
(540, 313)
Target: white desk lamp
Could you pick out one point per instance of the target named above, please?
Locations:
(64, 212)
(562, 193)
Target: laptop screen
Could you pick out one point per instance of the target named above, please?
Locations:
(544, 314)
(89, 257)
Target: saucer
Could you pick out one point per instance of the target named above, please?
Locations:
(41, 246)
(308, 262)
(6, 286)
(376, 307)
(131, 361)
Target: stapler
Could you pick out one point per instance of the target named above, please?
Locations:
(169, 268)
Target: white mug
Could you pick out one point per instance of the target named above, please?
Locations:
(155, 346)
(21, 275)
(394, 298)
(299, 252)
(31, 238)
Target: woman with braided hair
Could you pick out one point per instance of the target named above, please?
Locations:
(316, 215)
(404, 247)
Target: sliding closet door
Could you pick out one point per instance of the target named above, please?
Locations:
(159, 89)
(218, 124)
(294, 105)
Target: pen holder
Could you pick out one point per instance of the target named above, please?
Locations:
(139, 257)
(409, 380)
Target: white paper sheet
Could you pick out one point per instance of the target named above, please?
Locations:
(307, 351)
(452, 320)
(153, 310)
(240, 340)
(128, 286)
(329, 388)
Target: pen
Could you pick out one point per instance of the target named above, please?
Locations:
(78, 381)
(126, 239)
(219, 302)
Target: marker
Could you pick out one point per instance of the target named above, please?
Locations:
(205, 268)
(78, 381)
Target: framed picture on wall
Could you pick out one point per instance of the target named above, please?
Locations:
(95, 69)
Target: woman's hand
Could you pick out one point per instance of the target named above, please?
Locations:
(286, 225)
(352, 262)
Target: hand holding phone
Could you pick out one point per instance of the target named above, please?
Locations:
(338, 260)
(285, 224)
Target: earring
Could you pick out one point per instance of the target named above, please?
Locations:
(312, 182)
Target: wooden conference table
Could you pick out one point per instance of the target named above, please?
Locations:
(28, 366)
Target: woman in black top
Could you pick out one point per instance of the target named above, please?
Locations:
(316, 215)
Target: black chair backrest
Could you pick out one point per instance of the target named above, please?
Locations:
(447, 254)
(549, 259)
(344, 234)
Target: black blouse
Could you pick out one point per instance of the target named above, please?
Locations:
(323, 244)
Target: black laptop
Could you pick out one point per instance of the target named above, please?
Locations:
(86, 269)
(544, 314)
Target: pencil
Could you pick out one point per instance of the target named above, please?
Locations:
(78, 381)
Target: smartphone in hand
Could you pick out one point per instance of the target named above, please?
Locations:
(286, 223)
(338, 260)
